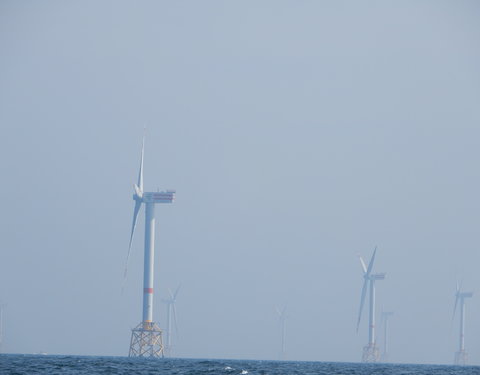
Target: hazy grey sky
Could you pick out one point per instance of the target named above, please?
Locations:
(297, 135)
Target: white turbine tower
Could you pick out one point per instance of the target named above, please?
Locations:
(370, 351)
(385, 320)
(283, 327)
(171, 318)
(461, 357)
(146, 338)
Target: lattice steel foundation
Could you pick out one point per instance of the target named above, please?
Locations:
(371, 353)
(146, 341)
(461, 358)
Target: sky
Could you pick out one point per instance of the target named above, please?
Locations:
(298, 134)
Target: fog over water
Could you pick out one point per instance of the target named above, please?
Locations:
(298, 134)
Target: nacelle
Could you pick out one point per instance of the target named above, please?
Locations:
(159, 197)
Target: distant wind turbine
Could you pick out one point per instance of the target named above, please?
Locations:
(461, 357)
(370, 351)
(146, 339)
(171, 317)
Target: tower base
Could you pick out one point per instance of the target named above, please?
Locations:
(371, 354)
(146, 341)
(461, 358)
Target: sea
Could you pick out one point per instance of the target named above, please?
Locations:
(66, 365)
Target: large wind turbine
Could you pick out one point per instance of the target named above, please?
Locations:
(146, 338)
(283, 326)
(461, 357)
(370, 351)
(385, 320)
(171, 317)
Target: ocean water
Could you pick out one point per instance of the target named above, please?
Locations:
(65, 365)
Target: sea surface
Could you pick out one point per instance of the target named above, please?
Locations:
(47, 364)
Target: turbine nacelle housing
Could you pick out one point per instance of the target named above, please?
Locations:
(466, 295)
(167, 196)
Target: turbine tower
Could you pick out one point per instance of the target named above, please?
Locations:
(283, 326)
(146, 340)
(370, 351)
(171, 317)
(385, 318)
(461, 357)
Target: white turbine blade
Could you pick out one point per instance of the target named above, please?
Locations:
(170, 294)
(370, 265)
(362, 302)
(140, 173)
(138, 191)
(457, 297)
(176, 292)
(364, 266)
(175, 318)
(138, 205)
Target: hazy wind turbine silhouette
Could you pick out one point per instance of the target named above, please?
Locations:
(385, 320)
(171, 316)
(370, 351)
(461, 357)
(146, 338)
(283, 326)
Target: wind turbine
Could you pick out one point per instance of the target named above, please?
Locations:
(370, 351)
(385, 318)
(171, 316)
(283, 326)
(146, 340)
(461, 357)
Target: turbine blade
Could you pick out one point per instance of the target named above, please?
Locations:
(170, 294)
(455, 306)
(136, 209)
(138, 191)
(362, 302)
(457, 297)
(140, 173)
(364, 266)
(372, 260)
(175, 319)
(176, 292)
